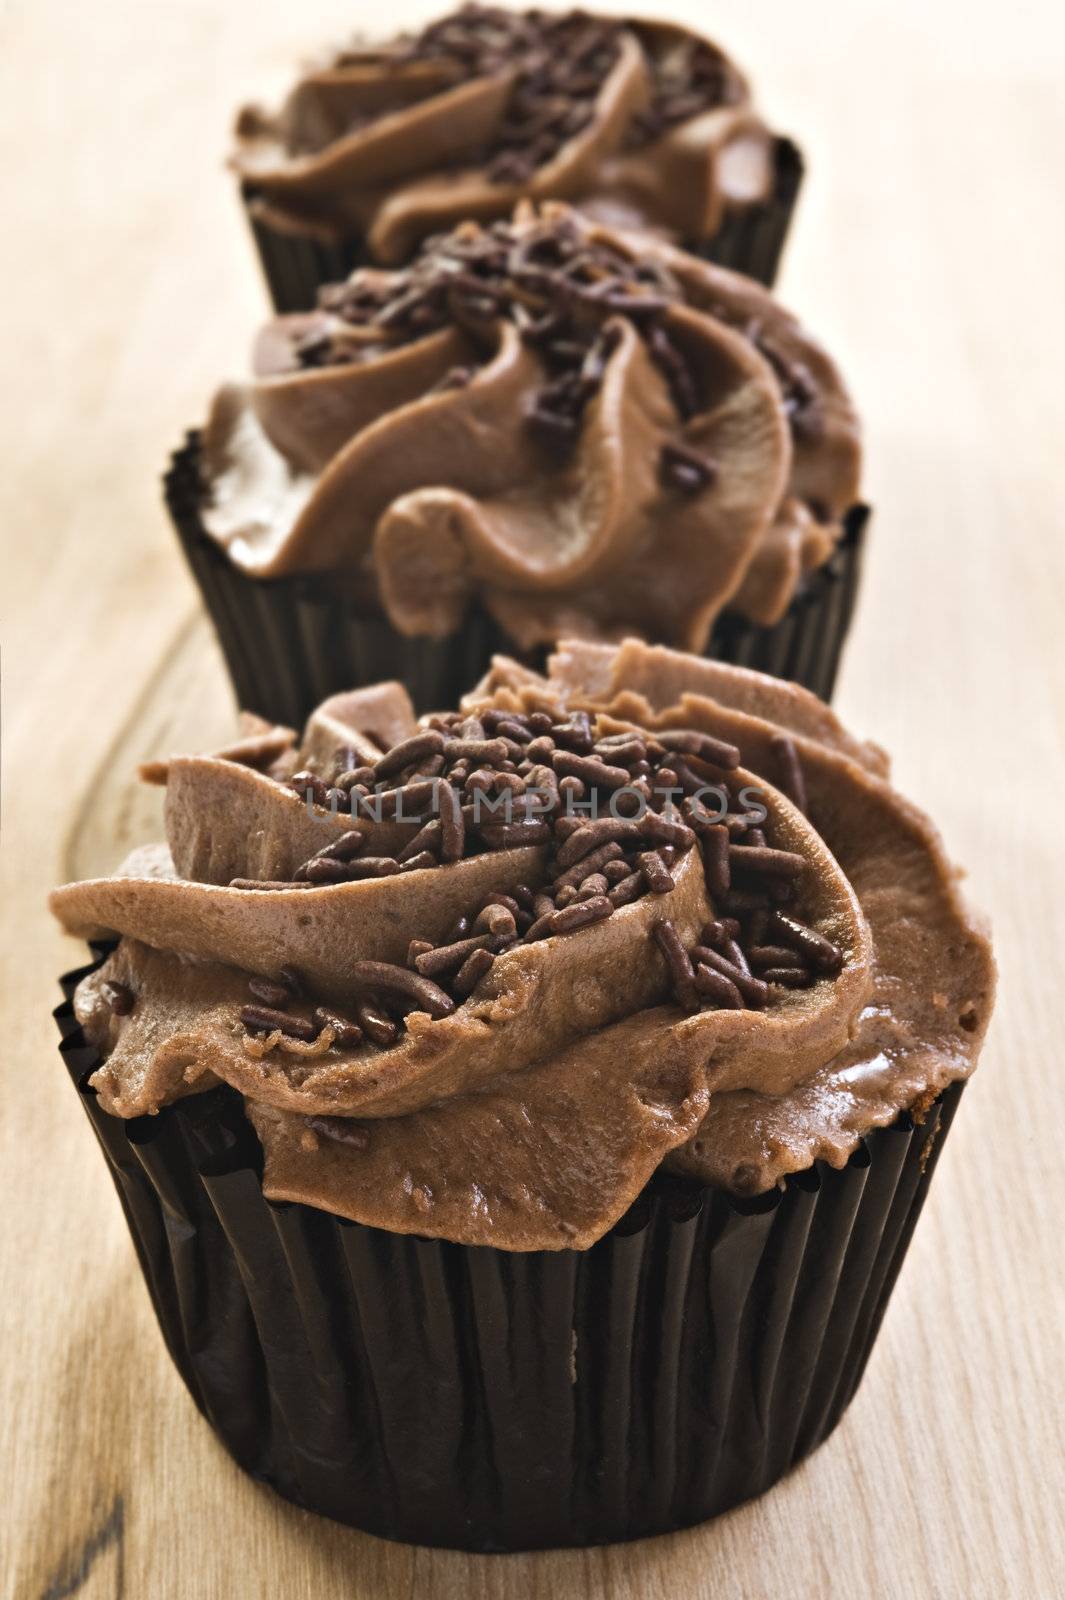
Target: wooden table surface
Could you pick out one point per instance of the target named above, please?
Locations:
(930, 254)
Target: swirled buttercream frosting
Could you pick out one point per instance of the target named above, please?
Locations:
(479, 975)
(586, 434)
(639, 123)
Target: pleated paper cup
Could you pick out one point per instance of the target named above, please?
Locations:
(469, 1397)
(290, 642)
(296, 265)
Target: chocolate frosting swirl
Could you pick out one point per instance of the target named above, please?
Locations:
(641, 124)
(616, 1005)
(587, 434)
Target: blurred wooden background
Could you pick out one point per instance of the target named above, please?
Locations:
(930, 255)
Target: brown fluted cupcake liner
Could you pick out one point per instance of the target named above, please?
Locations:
(291, 642)
(470, 1397)
(296, 265)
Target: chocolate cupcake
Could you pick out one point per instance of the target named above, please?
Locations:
(641, 125)
(521, 1113)
(539, 429)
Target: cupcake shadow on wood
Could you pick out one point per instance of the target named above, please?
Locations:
(639, 124)
(504, 1182)
(539, 428)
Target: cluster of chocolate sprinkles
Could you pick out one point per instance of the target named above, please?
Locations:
(725, 970)
(616, 811)
(802, 398)
(560, 63)
(803, 404)
(761, 942)
(268, 1013)
(569, 297)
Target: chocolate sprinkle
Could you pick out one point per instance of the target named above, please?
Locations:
(119, 996)
(409, 752)
(476, 966)
(420, 862)
(388, 982)
(656, 874)
(567, 920)
(718, 988)
(346, 1035)
(789, 977)
(627, 890)
(264, 1019)
(790, 780)
(819, 951)
(686, 470)
(449, 957)
(310, 788)
(717, 861)
(681, 970)
(377, 1025)
(759, 858)
(452, 826)
(753, 990)
(689, 741)
(605, 830)
(276, 995)
(763, 956)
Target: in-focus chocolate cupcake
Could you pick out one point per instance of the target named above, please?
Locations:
(522, 1113)
(642, 125)
(540, 429)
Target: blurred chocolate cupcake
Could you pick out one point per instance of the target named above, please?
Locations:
(548, 1087)
(642, 125)
(540, 428)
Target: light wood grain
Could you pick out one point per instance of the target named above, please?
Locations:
(930, 253)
